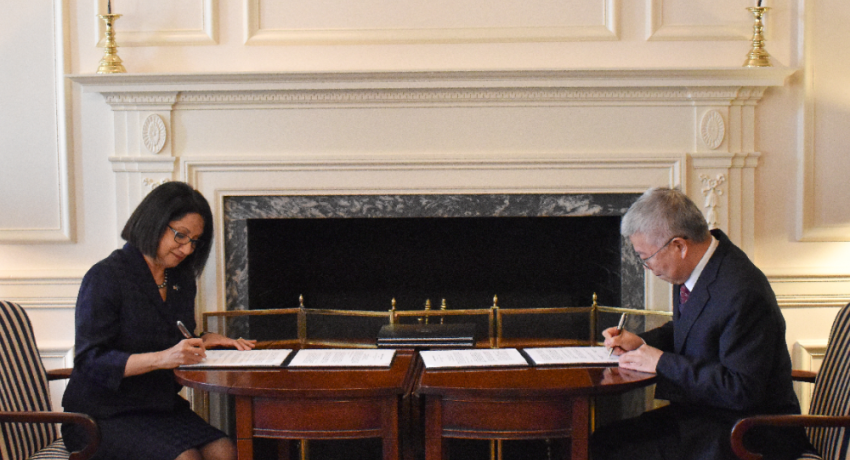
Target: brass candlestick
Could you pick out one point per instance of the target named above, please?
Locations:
(758, 57)
(110, 63)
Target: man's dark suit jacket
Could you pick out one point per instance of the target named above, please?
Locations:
(725, 351)
(120, 312)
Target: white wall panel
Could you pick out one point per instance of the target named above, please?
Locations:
(428, 21)
(34, 182)
(699, 20)
(160, 22)
(823, 159)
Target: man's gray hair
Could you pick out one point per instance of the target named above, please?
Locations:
(663, 213)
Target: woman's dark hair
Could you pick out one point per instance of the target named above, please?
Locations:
(164, 204)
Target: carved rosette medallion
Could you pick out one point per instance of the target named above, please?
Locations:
(153, 133)
(712, 129)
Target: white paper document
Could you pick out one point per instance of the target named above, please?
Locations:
(342, 358)
(242, 358)
(473, 358)
(571, 355)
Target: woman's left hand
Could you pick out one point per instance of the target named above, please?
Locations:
(211, 339)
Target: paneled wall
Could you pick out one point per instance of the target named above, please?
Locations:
(60, 199)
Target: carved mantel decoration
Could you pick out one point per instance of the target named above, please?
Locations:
(439, 132)
(712, 191)
(154, 133)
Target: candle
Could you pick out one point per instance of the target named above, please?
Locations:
(109, 6)
(759, 5)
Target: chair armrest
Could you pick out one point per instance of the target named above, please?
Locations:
(84, 420)
(803, 376)
(56, 374)
(744, 425)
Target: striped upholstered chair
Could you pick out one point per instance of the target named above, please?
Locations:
(28, 428)
(828, 422)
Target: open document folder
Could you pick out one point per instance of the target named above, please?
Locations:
(571, 355)
(336, 357)
(489, 357)
(240, 358)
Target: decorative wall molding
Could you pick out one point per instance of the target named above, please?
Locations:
(745, 83)
(808, 229)
(41, 289)
(136, 177)
(156, 100)
(143, 165)
(712, 129)
(152, 183)
(64, 231)
(712, 192)
(57, 356)
(807, 355)
(605, 31)
(206, 35)
(452, 97)
(154, 133)
(815, 291)
(656, 30)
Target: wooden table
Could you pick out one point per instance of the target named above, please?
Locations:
(517, 403)
(313, 403)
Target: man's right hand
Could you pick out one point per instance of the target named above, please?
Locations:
(621, 340)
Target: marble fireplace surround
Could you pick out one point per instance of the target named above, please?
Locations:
(239, 209)
(626, 130)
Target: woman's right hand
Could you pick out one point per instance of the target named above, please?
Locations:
(187, 351)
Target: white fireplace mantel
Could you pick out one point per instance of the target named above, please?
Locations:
(540, 131)
(580, 78)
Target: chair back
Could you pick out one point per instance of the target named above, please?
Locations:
(23, 385)
(831, 394)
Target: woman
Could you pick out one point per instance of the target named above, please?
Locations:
(128, 342)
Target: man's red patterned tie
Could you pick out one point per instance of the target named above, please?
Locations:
(684, 293)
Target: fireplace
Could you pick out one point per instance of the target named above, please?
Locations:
(596, 132)
(360, 252)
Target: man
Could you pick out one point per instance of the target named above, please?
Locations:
(723, 357)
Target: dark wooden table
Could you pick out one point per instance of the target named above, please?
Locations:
(314, 403)
(517, 403)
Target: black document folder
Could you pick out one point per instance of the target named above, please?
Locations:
(427, 335)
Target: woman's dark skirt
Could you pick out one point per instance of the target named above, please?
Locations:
(146, 435)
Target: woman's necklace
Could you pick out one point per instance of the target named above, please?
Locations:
(164, 280)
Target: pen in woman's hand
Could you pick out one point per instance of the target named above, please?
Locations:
(183, 329)
(619, 328)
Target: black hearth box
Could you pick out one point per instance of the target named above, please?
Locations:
(460, 335)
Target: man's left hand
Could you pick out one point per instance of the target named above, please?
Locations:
(644, 359)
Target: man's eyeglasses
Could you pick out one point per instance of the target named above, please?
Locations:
(183, 238)
(645, 262)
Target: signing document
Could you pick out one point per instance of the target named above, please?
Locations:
(571, 355)
(473, 358)
(342, 358)
(239, 358)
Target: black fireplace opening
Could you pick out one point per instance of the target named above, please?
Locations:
(364, 263)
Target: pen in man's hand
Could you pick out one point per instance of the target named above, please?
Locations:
(619, 328)
(183, 329)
